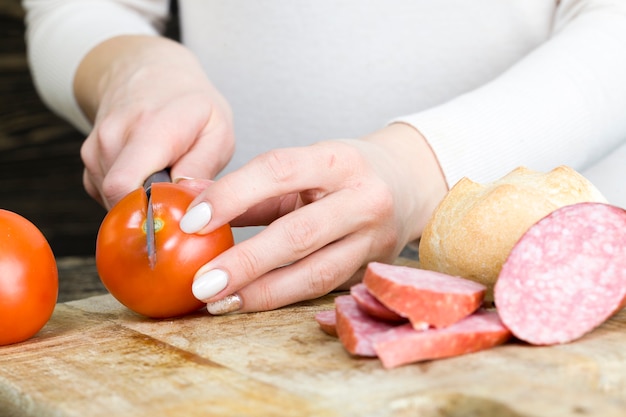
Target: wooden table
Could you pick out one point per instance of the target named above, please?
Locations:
(96, 358)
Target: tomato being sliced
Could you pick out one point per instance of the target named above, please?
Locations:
(29, 283)
(163, 290)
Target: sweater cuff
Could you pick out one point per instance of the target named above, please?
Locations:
(542, 112)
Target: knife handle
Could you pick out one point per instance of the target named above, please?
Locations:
(159, 176)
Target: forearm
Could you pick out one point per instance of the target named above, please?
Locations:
(112, 63)
(61, 32)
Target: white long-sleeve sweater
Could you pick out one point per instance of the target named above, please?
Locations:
(491, 84)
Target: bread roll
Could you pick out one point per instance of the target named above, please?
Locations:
(475, 227)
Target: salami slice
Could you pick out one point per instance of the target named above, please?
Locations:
(566, 275)
(327, 321)
(356, 328)
(403, 344)
(368, 303)
(423, 296)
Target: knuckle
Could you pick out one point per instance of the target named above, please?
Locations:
(249, 263)
(227, 145)
(351, 159)
(300, 234)
(383, 229)
(265, 298)
(380, 202)
(322, 278)
(278, 165)
(114, 187)
(388, 242)
(108, 130)
(86, 150)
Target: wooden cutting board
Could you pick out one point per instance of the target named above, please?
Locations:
(96, 358)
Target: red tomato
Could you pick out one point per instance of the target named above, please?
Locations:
(29, 283)
(122, 257)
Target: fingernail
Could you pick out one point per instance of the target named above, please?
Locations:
(209, 284)
(181, 178)
(228, 304)
(196, 218)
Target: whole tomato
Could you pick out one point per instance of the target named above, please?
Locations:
(29, 283)
(163, 290)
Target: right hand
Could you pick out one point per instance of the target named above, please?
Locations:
(153, 107)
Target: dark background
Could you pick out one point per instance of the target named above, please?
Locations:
(40, 166)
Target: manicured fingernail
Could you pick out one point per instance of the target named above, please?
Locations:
(196, 218)
(181, 178)
(209, 284)
(228, 304)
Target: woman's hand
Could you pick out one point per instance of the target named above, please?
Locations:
(330, 208)
(153, 107)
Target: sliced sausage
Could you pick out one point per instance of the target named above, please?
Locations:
(368, 303)
(327, 321)
(566, 275)
(356, 328)
(403, 344)
(423, 296)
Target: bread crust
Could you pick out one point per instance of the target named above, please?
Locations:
(476, 225)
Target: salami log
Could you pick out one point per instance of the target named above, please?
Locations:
(368, 303)
(422, 296)
(403, 344)
(327, 321)
(566, 275)
(356, 328)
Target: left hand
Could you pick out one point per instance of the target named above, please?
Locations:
(330, 209)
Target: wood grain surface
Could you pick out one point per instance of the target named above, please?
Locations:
(96, 358)
(78, 278)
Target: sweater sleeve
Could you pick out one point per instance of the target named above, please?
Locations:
(564, 103)
(59, 33)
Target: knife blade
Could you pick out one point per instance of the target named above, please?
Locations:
(160, 176)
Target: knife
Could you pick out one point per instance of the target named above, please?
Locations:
(160, 176)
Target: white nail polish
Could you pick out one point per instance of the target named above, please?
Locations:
(209, 284)
(196, 218)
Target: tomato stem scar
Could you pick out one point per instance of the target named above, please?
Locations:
(158, 225)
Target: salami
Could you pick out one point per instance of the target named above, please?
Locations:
(424, 297)
(566, 275)
(403, 344)
(368, 303)
(327, 321)
(356, 328)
